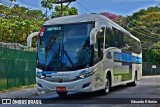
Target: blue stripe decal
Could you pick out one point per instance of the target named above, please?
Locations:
(126, 57)
(43, 72)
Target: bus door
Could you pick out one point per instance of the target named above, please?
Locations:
(98, 57)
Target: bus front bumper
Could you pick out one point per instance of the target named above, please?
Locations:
(81, 85)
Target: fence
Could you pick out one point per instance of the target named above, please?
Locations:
(17, 68)
(150, 69)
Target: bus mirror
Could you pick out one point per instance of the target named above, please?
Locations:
(93, 34)
(29, 39)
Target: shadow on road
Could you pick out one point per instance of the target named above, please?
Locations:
(87, 97)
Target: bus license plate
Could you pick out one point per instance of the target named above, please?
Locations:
(61, 89)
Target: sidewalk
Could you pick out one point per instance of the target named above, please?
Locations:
(21, 93)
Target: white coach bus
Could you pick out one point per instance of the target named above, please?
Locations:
(86, 53)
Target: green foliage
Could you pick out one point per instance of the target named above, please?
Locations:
(68, 11)
(17, 23)
(154, 53)
(47, 4)
(146, 19)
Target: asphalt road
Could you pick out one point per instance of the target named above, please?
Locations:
(147, 89)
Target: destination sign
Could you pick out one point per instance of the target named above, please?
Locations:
(53, 28)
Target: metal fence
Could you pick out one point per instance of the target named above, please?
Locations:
(17, 68)
(150, 69)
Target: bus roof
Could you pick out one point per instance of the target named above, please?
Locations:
(84, 18)
(74, 19)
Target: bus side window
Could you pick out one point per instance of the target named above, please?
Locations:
(98, 50)
(110, 39)
(132, 45)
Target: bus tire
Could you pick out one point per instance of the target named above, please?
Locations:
(106, 90)
(62, 93)
(134, 83)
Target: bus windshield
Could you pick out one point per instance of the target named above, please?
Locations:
(64, 47)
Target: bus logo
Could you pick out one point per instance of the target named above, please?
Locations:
(60, 80)
(109, 56)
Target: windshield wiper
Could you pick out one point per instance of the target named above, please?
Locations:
(69, 59)
(50, 43)
(65, 52)
(57, 54)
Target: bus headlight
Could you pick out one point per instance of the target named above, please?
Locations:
(85, 74)
(39, 75)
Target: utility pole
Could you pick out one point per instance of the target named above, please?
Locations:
(61, 8)
(46, 9)
(46, 12)
(63, 1)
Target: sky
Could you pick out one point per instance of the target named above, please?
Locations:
(120, 7)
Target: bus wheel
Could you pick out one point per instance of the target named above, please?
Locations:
(107, 86)
(62, 93)
(134, 83)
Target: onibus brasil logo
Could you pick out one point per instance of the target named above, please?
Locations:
(21, 101)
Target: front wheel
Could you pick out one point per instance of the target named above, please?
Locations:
(107, 87)
(62, 93)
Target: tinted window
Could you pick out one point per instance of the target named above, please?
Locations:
(98, 51)
(132, 45)
(121, 40)
(110, 39)
(64, 46)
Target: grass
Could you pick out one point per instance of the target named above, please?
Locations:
(3, 84)
(18, 88)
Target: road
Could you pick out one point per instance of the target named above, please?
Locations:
(147, 87)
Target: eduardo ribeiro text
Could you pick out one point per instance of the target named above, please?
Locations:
(144, 101)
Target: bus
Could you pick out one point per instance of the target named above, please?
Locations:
(86, 53)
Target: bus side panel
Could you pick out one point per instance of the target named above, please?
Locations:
(121, 71)
(122, 65)
(97, 78)
(138, 69)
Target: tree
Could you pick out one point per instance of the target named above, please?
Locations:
(48, 4)
(18, 22)
(144, 23)
(68, 11)
(112, 16)
(154, 53)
